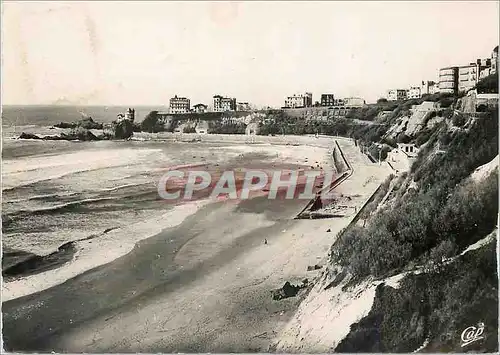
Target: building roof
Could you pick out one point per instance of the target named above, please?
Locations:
(198, 105)
(223, 97)
(471, 65)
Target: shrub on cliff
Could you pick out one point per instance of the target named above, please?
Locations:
(446, 249)
(151, 123)
(467, 150)
(366, 113)
(417, 226)
(469, 213)
(445, 207)
(458, 120)
(488, 85)
(435, 306)
(403, 138)
(423, 137)
(217, 127)
(390, 142)
(446, 102)
(369, 133)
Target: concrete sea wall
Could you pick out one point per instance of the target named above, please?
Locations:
(341, 164)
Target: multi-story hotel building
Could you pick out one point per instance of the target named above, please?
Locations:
(489, 66)
(223, 104)
(327, 100)
(414, 92)
(300, 100)
(494, 60)
(486, 70)
(468, 76)
(428, 87)
(397, 94)
(448, 80)
(179, 105)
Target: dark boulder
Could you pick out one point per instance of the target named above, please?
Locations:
(89, 123)
(53, 138)
(123, 129)
(28, 136)
(80, 134)
(288, 290)
(315, 267)
(65, 125)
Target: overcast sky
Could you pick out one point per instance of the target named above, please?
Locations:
(136, 53)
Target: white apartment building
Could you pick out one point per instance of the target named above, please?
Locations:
(468, 76)
(299, 100)
(414, 92)
(489, 65)
(223, 104)
(448, 80)
(494, 60)
(179, 105)
(428, 87)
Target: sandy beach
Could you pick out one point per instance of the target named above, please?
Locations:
(199, 280)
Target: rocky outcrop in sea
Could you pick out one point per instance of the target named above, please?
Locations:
(80, 131)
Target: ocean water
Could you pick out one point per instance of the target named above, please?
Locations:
(57, 191)
(41, 115)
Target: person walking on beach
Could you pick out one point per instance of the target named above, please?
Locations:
(265, 241)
